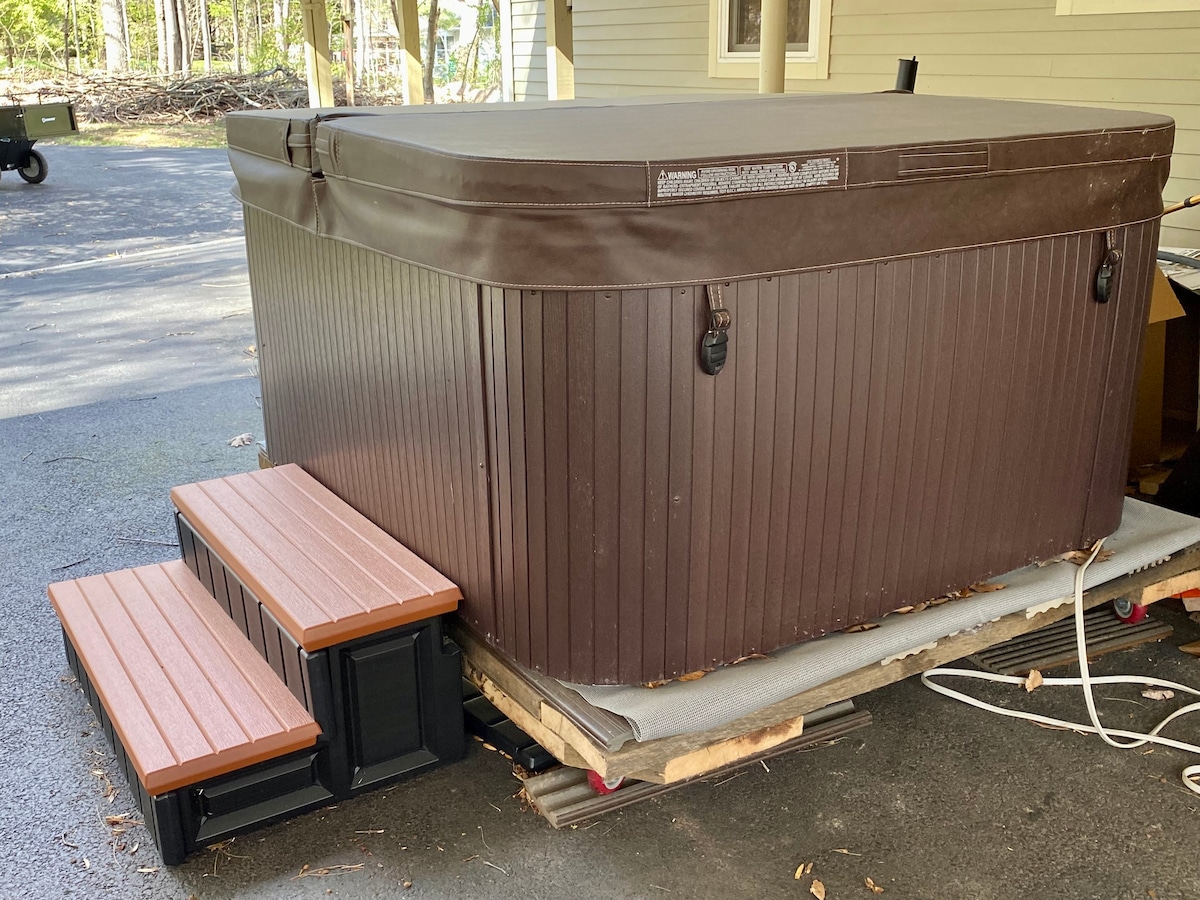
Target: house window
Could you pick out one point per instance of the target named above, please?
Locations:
(745, 20)
(734, 28)
(1101, 7)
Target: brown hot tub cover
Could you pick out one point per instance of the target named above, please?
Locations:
(481, 327)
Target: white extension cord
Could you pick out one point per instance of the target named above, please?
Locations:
(1191, 774)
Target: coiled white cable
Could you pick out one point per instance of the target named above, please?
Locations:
(1191, 774)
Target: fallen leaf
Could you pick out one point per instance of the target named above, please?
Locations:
(1192, 649)
(1033, 681)
(656, 684)
(1157, 694)
(862, 626)
(242, 440)
(694, 676)
(986, 587)
(923, 605)
(307, 872)
(905, 609)
(817, 889)
(808, 869)
(873, 887)
(844, 851)
(148, 870)
(799, 872)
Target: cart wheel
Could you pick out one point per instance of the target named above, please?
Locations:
(1128, 611)
(37, 170)
(602, 787)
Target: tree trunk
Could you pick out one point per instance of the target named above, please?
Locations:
(348, 50)
(185, 36)
(237, 37)
(114, 42)
(206, 36)
(75, 30)
(125, 30)
(279, 13)
(431, 31)
(160, 21)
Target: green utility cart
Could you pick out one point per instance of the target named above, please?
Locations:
(22, 126)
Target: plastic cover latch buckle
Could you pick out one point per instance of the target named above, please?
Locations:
(1106, 275)
(714, 346)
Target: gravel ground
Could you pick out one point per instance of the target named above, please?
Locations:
(125, 369)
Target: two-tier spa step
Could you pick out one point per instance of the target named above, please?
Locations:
(294, 656)
(348, 618)
(208, 737)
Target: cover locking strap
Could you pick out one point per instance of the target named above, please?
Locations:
(714, 346)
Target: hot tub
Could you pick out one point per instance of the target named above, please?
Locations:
(663, 384)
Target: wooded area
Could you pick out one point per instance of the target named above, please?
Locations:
(180, 39)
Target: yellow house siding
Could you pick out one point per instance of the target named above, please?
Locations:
(1014, 49)
(528, 49)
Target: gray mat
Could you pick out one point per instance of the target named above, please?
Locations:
(1147, 535)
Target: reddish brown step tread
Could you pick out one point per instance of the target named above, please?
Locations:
(188, 695)
(324, 571)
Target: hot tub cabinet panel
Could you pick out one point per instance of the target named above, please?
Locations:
(888, 426)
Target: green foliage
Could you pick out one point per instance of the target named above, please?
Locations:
(31, 31)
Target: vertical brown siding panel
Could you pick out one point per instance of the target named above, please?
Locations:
(762, 500)
(998, 369)
(482, 598)
(926, 322)
(941, 340)
(502, 524)
(741, 419)
(558, 480)
(540, 543)
(682, 305)
(957, 354)
(657, 455)
(1065, 414)
(798, 567)
(607, 356)
(1056, 379)
(1131, 301)
(835, 357)
(440, 390)
(399, 403)
(458, 448)
(581, 386)
(905, 405)
(515, 383)
(632, 505)
(893, 368)
(722, 479)
(787, 313)
(876, 315)
(856, 303)
(704, 413)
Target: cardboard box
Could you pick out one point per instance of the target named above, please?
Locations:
(1146, 447)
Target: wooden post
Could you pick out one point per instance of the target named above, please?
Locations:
(316, 53)
(410, 50)
(348, 51)
(772, 46)
(560, 51)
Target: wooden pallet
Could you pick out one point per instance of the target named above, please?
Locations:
(580, 735)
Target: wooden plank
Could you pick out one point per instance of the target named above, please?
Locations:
(564, 797)
(186, 693)
(325, 571)
(1188, 581)
(671, 759)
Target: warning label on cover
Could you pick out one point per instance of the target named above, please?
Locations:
(675, 182)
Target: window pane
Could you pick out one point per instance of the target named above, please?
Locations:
(745, 17)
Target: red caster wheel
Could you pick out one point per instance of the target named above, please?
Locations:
(1127, 611)
(602, 787)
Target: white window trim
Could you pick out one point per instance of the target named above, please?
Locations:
(811, 63)
(1109, 7)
